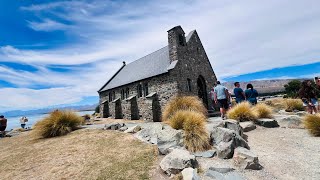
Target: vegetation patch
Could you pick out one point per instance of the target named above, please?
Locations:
(262, 111)
(242, 112)
(293, 104)
(312, 123)
(58, 123)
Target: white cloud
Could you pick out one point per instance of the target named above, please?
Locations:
(239, 37)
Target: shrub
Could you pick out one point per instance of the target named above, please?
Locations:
(183, 103)
(242, 112)
(276, 103)
(293, 104)
(262, 111)
(193, 123)
(312, 123)
(58, 123)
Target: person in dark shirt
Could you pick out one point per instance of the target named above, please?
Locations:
(251, 94)
(3, 125)
(308, 96)
(238, 93)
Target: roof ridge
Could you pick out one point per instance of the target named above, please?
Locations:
(148, 54)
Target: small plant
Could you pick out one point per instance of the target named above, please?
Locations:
(262, 111)
(58, 123)
(183, 103)
(242, 112)
(312, 123)
(293, 104)
(193, 123)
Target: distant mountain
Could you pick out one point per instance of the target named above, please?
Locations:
(48, 110)
(262, 86)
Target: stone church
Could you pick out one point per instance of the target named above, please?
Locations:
(141, 89)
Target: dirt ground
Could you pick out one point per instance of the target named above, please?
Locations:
(82, 154)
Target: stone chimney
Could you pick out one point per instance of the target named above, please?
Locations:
(177, 43)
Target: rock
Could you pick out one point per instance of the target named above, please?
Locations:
(169, 138)
(291, 121)
(301, 113)
(149, 132)
(176, 161)
(233, 125)
(246, 159)
(213, 173)
(124, 128)
(214, 123)
(113, 126)
(221, 170)
(205, 154)
(247, 126)
(268, 123)
(190, 174)
(226, 141)
(133, 129)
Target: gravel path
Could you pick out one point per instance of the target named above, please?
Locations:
(285, 154)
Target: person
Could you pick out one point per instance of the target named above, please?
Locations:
(238, 93)
(23, 121)
(3, 125)
(308, 96)
(221, 96)
(251, 94)
(318, 90)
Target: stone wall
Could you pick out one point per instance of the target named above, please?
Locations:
(164, 85)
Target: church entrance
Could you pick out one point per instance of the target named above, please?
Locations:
(202, 90)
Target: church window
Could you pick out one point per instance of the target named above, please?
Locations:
(122, 94)
(110, 96)
(145, 89)
(139, 90)
(181, 40)
(127, 93)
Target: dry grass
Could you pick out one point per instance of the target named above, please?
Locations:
(183, 103)
(276, 103)
(293, 104)
(262, 111)
(193, 123)
(82, 154)
(58, 123)
(242, 112)
(312, 123)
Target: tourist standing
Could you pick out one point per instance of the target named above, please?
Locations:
(317, 80)
(308, 96)
(23, 121)
(3, 125)
(238, 93)
(221, 97)
(251, 94)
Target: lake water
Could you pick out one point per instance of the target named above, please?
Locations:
(14, 122)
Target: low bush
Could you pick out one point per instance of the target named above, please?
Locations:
(242, 112)
(183, 103)
(193, 123)
(276, 103)
(58, 123)
(262, 111)
(293, 104)
(312, 123)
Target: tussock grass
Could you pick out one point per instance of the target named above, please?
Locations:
(58, 123)
(312, 123)
(242, 112)
(262, 111)
(276, 103)
(183, 103)
(293, 104)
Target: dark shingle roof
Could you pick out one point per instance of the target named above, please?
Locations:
(151, 65)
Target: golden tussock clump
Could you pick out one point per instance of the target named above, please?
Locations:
(312, 123)
(293, 104)
(183, 103)
(262, 111)
(242, 112)
(193, 123)
(58, 123)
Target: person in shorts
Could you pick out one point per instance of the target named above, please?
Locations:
(308, 96)
(221, 97)
(238, 93)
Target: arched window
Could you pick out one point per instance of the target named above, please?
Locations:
(110, 96)
(113, 95)
(145, 89)
(139, 90)
(122, 94)
(127, 93)
(181, 40)
(189, 85)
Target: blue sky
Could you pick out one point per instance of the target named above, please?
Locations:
(56, 53)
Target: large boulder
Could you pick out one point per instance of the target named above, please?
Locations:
(290, 121)
(246, 159)
(233, 125)
(190, 174)
(133, 129)
(268, 123)
(149, 132)
(176, 161)
(206, 154)
(226, 141)
(222, 174)
(247, 126)
(114, 126)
